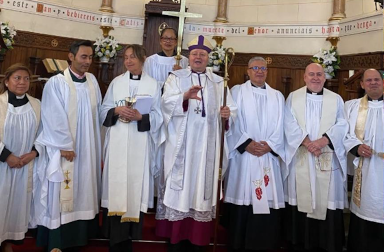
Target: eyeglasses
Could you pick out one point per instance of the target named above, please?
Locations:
(256, 68)
(168, 39)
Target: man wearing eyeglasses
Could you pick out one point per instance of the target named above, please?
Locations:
(315, 176)
(159, 65)
(365, 141)
(192, 111)
(254, 186)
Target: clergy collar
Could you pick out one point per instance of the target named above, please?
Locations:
(314, 93)
(193, 71)
(17, 101)
(134, 77)
(162, 53)
(256, 86)
(76, 77)
(380, 99)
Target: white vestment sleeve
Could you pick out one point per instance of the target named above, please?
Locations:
(108, 101)
(276, 139)
(237, 135)
(172, 100)
(53, 115)
(294, 134)
(156, 133)
(337, 134)
(351, 114)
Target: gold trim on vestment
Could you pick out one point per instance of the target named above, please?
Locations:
(116, 213)
(359, 131)
(129, 219)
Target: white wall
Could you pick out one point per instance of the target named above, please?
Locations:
(242, 12)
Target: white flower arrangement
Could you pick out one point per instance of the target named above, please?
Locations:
(329, 59)
(106, 47)
(216, 56)
(8, 32)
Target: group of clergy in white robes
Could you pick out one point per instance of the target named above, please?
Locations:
(305, 171)
(280, 154)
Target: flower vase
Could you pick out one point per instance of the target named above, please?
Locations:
(216, 68)
(104, 59)
(328, 76)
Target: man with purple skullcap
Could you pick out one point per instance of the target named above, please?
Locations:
(192, 111)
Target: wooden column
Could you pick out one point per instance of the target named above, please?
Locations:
(222, 11)
(338, 10)
(106, 6)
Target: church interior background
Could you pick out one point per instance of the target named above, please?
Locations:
(287, 33)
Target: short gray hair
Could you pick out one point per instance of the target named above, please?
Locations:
(257, 58)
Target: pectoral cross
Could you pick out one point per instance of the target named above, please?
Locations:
(181, 15)
(197, 110)
(67, 180)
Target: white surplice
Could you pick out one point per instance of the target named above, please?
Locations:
(337, 194)
(372, 184)
(159, 67)
(260, 117)
(56, 136)
(19, 133)
(192, 146)
(138, 146)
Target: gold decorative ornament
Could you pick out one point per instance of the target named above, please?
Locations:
(219, 40)
(106, 30)
(54, 43)
(333, 41)
(162, 26)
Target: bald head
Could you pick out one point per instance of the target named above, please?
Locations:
(314, 77)
(372, 83)
(371, 70)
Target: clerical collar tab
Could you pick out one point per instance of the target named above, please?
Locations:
(380, 99)
(315, 93)
(134, 77)
(193, 71)
(256, 86)
(78, 76)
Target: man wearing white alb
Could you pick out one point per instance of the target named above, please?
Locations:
(315, 178)
(67, 188)
(254, 186)
(365, 141)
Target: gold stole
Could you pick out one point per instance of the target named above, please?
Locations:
(35, 104)
(66, 190)
(359, 131)
(323, 173)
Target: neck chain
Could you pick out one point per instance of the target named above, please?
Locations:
(199, 110)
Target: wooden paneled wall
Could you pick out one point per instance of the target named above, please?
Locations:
(285, 72)
(29, 44)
